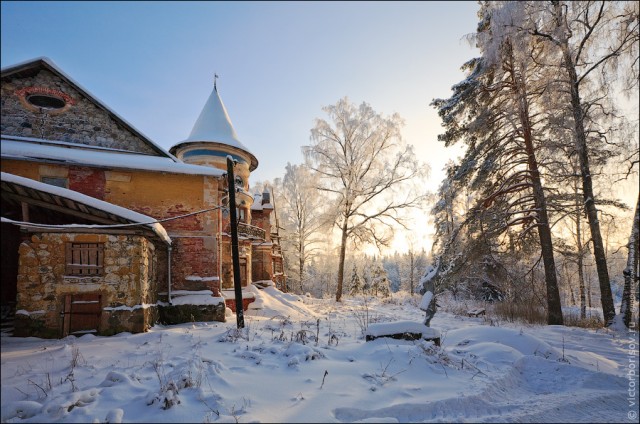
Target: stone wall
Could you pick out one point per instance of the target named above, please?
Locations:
(128, 287)
(83, 122)
(177, 314)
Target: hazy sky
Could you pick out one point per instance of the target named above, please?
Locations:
(278, 64)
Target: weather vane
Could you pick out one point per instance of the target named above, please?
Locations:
(215, 78)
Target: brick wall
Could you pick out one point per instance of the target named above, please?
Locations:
(194, 257)
(89, 181)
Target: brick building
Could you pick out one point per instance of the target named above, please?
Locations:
(103, 230)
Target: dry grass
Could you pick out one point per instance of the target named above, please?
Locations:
(520, 312)
(590, 321)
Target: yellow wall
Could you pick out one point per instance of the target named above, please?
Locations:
(154, 193)
(159, 195)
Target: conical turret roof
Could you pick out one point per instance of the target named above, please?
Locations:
(214, 125)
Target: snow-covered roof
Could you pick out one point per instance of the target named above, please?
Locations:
(257, 203)
(214, 125)
(22, 148)
(125, 213)
(51, 66)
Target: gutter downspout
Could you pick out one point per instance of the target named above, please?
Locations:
(220, 250)
(169, 273)
(220, 242)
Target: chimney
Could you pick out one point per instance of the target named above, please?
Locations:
(266, 197)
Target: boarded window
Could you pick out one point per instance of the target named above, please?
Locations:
(55, 181)
(85, 259)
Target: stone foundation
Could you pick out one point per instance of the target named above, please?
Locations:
(178, 314)
(111, 322)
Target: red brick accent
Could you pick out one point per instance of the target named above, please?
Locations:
(188, 223)
(261, 219)
(89, 181)
(189, 257)
(231, 303)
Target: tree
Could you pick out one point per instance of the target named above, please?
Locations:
(365, 167)
(355, 285)
(391, 265)
(495, 112)
(410, 266)
(591, 37)
(303, 219)
(380, 285)
(631, 270)
(428, 290)
(366, 281)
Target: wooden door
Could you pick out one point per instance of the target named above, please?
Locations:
(81, 313)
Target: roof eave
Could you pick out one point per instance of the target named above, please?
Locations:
(233, 149)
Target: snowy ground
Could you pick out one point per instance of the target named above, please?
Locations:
(276, 371)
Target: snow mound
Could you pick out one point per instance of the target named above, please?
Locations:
(271, 302)
(484, 342)
(382, 329)
(20, 409)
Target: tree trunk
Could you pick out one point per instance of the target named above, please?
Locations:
(569, 281)
(411, 272)
(554, 307)
(343, 248)
(583, 301)
(544, 232)
(587, 184)
(301, 266)
(631, 271)
(589, 290)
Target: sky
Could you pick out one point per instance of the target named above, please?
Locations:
(278, 64)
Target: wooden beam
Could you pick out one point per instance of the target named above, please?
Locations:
(32, 229)
(60, 209)
(25, 211)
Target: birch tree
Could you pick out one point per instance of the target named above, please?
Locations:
(367, 170)
(302, 215)
(631, 271)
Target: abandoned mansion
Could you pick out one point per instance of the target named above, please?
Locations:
(104, 231)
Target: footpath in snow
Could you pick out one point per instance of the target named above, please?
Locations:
(306, 360)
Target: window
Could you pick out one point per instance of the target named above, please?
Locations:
(55, 181)
(85, 259)
(44, 100)
(47, 102)
(241, 214)
(209, 152)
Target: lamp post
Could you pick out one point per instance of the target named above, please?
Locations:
(237, 284)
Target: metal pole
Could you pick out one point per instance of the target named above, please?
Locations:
(237, 284)
(169, 274)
